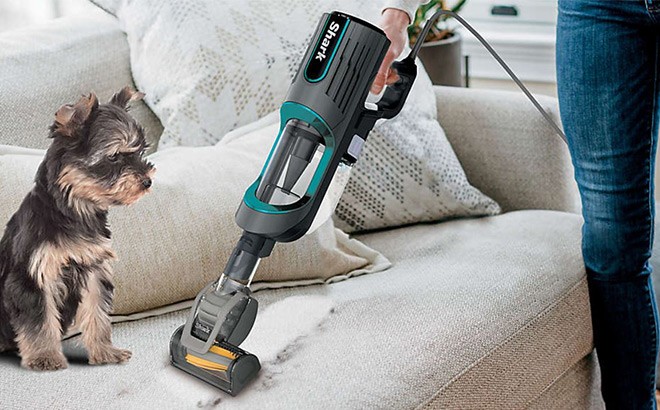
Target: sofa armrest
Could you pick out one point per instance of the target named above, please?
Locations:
(48, 65)
(507, 149)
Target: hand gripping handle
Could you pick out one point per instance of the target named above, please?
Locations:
(393, 98)
(396, 94)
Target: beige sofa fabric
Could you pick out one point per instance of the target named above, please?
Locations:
(542, 345)
(506, 345)
(53, 64)
(461, 295)
(506, 148)
(488, 313)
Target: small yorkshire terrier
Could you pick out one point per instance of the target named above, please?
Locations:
(55, 253)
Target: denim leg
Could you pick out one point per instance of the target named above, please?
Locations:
(607, 68)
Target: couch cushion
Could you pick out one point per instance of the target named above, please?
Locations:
(46, 66)
(482, 313)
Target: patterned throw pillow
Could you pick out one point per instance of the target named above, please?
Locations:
(210, 66)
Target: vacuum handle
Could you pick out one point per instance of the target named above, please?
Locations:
(395, 94)
(393, 98)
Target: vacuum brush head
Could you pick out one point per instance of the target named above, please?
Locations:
(224, 366)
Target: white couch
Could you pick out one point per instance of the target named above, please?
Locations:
(481, 313)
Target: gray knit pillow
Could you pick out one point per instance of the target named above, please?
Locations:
(210, 66)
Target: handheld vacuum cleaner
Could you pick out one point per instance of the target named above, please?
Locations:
(324, 125)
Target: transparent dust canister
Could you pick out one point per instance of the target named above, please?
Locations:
(291, 169)
(292, 166)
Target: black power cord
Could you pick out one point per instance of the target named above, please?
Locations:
(427, 28)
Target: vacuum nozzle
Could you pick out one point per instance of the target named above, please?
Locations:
(207, 345)
(224, 366)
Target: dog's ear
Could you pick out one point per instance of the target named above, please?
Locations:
(70, 118)
(125, 96)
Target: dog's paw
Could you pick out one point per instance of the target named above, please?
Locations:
(110, 355)
(45, 363)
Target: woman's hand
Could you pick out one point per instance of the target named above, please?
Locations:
(394, 23)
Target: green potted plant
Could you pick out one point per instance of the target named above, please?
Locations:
(441, 50)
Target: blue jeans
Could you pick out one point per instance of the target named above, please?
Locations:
(607, 71)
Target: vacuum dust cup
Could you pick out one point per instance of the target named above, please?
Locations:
(296, 158)
(289, 174)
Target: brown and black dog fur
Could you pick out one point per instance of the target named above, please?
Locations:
(55, 253)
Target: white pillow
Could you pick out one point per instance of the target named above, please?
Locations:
(210, 66)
